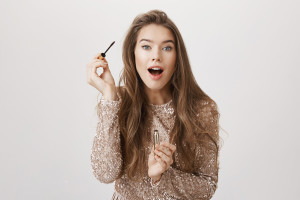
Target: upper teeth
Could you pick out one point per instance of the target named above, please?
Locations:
(155, 68)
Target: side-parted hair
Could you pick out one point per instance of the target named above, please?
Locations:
(188, 99)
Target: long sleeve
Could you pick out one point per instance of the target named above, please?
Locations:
(106, 157)
(202, 183)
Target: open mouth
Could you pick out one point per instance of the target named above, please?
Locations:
(155, 71)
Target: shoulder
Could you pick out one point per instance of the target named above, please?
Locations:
(206, 107)
(207, 113)
(208, 119)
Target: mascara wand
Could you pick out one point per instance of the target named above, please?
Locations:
(102, 56)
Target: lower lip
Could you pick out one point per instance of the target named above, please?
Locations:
(155, 77)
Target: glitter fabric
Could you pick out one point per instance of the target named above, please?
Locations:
(106, 157)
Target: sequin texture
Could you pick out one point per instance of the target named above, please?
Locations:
(106, 157)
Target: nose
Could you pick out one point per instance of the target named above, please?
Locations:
(156, 55)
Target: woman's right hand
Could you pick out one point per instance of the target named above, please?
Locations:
(105, 82)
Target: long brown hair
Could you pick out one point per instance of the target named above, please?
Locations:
(186, 95)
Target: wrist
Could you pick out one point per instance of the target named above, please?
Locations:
(112, 95)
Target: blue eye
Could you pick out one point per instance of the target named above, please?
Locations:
(146, 47)
(167, 48)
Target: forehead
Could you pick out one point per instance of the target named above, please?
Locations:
(156, 33)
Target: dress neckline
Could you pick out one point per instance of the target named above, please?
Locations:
(161, 105)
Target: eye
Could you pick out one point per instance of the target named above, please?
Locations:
(146, 47)
(168, 48)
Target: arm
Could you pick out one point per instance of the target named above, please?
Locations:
(203, 182)
(106, 157)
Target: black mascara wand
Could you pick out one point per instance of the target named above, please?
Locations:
(102, 56)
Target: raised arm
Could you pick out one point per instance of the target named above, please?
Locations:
(106, 157)
(203, 182)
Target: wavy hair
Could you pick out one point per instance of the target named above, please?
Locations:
(134, 108)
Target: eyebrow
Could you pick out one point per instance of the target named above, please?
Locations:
(147, 40)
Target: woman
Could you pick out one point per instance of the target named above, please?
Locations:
(159, 93)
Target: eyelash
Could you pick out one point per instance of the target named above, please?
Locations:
(145, 46)
(170, 48)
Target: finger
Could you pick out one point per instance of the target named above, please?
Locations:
(165, 150)
(97, 56)
(162, 163)
(170, 146)
(102, 62)
(104, 59)
(151, 156)
(93, 69)
(164, 157)
(98, 64)
(94, 76)
(152, 151)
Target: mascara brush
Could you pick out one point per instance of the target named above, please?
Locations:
(102, 55)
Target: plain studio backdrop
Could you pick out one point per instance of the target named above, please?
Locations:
(244, 54)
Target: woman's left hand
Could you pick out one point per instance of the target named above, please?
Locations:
(160, 159)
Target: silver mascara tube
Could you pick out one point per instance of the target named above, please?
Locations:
(156, 138)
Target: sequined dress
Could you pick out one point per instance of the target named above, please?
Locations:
(106, 158)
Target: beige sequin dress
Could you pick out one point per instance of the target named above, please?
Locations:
(106, 158)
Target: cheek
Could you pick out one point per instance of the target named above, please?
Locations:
(139, 62)
(172, 61)
(139, 58)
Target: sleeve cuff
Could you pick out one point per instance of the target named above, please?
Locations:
(108, 109)
(109, 102)
(155, 184)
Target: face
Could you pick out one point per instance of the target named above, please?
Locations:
(155, 56)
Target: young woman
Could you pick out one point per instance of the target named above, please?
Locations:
(159, 92)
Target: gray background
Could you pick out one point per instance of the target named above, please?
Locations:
(244, 54)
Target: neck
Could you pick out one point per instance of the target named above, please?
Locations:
(158, 97)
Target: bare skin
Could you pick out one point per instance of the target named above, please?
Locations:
(104, 83)
(156, 47)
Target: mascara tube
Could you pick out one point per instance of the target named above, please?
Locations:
(156, 138)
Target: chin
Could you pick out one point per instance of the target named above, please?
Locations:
(155, 86)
